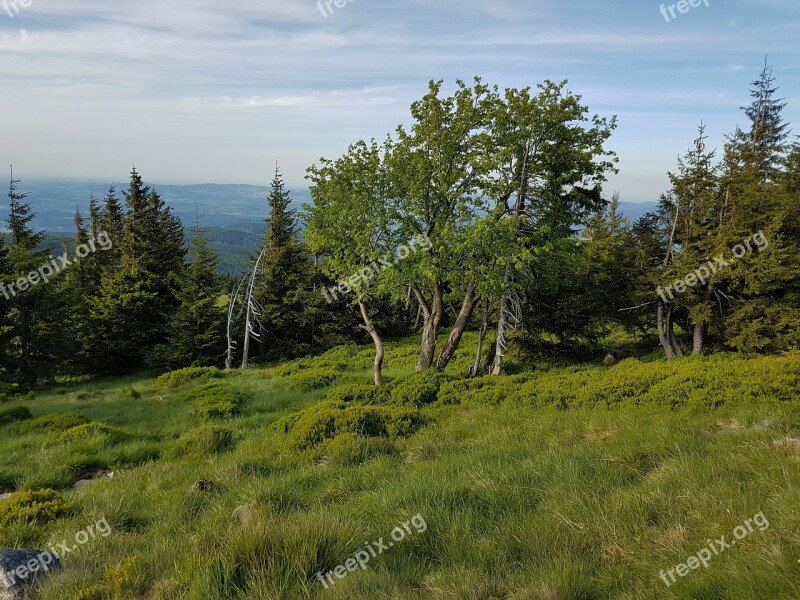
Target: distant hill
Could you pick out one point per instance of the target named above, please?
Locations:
(233, 214)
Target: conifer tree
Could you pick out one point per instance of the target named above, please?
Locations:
(29, 310)
(284, 280)
(197, 330)
(762, 310)
(137, 300)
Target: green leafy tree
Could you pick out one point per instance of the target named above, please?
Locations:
(350, 227)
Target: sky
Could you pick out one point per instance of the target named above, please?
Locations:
(211, 91)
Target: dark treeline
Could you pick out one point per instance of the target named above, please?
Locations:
(522, 246)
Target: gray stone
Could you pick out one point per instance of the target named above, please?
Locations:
(5, 496)
(609, 360)
(20, 568)
(242, 515)
(91, 478)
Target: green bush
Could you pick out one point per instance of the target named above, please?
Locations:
(204, 441)
(418, 389)
(73, 379)
(13, 415)
(312, 379)
(350, 449)
(87, 430)
(54, 422)
(215, 401)
(326, 420)
(7, 391)
(39, 506)
(695, 382)
(191, 374)
(359, 394)
(485, 390)
(285, 424)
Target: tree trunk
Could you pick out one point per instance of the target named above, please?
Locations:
(669, 351)
(476, 368)
(698, 339)
(490, 355)
(432, 316)
(246, 349)
(671, 331)
(446, 355)
(500, 338)
(376, 339)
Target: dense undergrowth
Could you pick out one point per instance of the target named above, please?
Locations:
(578, 482)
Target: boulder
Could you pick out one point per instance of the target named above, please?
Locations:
(20, 568)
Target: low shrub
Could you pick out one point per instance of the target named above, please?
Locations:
(485, 390)
(326, 420)
(418, 389)
(118, 581)
(312, 379)
(359, 394)
(73, 379)
(215, 401)
(14, 415)
(204, 441)
(181, 377)
(34, 506)
(692, 382)
(350, 449)
(7, 390)
(54, 422)
(285, 424)
(87, 430)
(132, 393)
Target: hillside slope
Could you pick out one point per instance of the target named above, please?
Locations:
(579, 483)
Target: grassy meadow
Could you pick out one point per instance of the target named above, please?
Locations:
(553, 483)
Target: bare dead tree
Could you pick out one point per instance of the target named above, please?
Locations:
(252, 325)
(233, 317)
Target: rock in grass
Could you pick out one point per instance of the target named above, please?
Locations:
(20, 568)
(203, 486)
(609, 360)
(242, 515)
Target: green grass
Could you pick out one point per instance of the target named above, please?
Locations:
(568, 484)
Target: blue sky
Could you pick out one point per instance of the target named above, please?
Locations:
(196, 91)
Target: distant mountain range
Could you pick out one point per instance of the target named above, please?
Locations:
(233, 214)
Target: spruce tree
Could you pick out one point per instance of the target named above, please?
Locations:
(762, 311)
(197, 330)
(137, 300)
(285, 279)
(31, 309)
